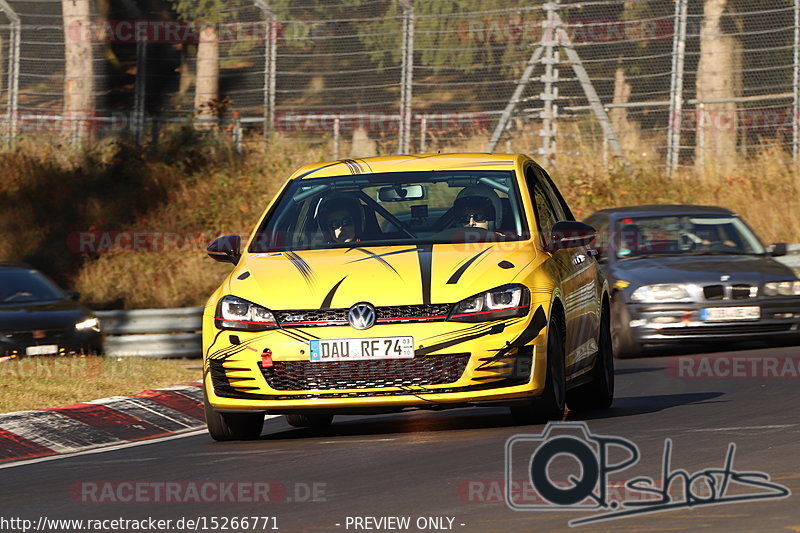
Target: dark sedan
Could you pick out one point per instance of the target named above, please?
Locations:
(687, 273)
(38, 318)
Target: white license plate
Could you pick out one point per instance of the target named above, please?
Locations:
(323, 350)
(44, 349)
(721, 314)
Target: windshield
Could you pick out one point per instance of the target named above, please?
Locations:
(678, 235)
(394, 208)
(23, 286)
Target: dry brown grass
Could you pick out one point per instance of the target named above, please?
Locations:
(41, 382)
(197, 188)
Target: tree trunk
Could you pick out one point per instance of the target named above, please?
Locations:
(626, 130)
(78, 69)
(718, 76)
(186, 77)
(206, 93)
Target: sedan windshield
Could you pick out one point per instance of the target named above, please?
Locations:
(23, 286)
(688, 234)
(394, 208)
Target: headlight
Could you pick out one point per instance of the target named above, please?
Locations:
(89, 323)
(661, 293)
(238, 314)
(782, 288)
(503, 302)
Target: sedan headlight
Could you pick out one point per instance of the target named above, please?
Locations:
(89, 323)
(236, 313)
(661, 293)
(503, 302)
(782, 288)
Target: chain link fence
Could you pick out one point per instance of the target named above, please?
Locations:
(664, 84)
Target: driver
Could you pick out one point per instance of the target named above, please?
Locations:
(341, 219)
(474, 211)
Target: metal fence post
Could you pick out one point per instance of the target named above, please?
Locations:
(423, 132)
(407, 71)
(676, 87)
(13, 72)
(551, 56)
(796, 82)
(140, 91)
(337, 125)
(270, 63)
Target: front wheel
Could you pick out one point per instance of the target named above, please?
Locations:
(623, 343)
(599, 392)
(551, 404)
(232, 426)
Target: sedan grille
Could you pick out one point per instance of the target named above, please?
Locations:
(386, 315)
(733, 292)
(421, 370)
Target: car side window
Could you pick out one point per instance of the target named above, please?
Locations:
(562, 209)
(546, 215)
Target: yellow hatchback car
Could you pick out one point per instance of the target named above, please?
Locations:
(391, 283)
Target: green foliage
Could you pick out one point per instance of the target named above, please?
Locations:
(456, 33)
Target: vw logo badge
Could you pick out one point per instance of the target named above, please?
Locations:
(361, 316)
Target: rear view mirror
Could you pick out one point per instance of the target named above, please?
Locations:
(570, 234)
(226, 249)
(402, 194)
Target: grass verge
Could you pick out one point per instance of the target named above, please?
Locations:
(41, 382)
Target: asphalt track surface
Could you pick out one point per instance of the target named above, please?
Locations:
(451, 464)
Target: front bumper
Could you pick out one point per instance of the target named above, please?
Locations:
(64, 341)
(454, 364)
(667, 323)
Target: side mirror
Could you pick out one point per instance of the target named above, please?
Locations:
(226, 249)
(570, 234)
(778, 249)
(73, 295)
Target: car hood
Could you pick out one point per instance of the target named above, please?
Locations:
(46, 315)
(385, 275)
(701, 269)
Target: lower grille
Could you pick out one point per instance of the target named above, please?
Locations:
(421, 370)
(43, 337)
(725, 330)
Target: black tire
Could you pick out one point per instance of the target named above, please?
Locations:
(309, 421)
(599, 392)
(622, 341)
(551, 404)
(232, 426)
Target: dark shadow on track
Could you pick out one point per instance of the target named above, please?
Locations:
(623, 371)
(642, 405)
(669, 350)
(478, 418)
